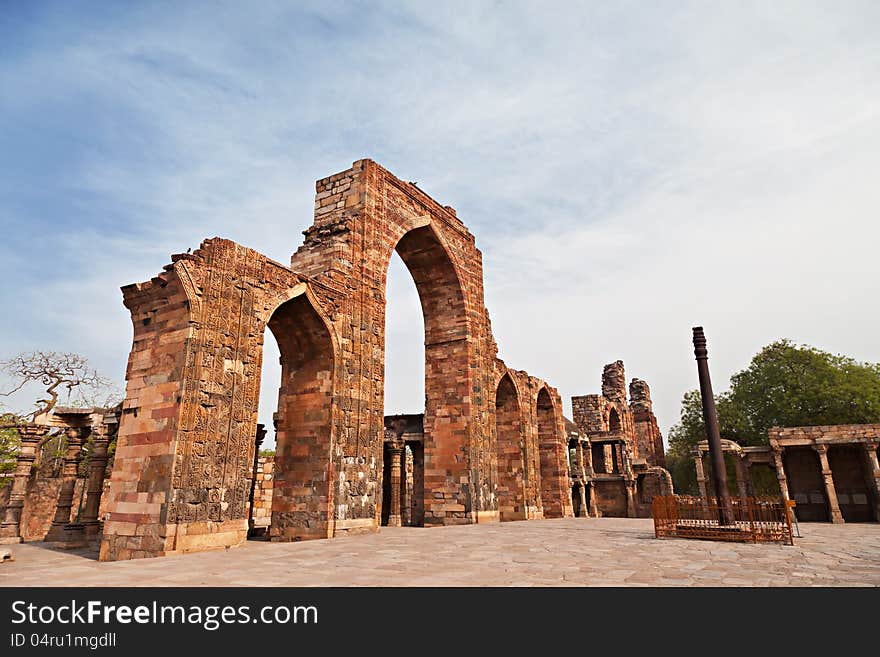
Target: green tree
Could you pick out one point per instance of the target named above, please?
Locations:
(785, 385)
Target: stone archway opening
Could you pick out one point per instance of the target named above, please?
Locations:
(447, 379)
(302, 494)
(511, 467)
(552, 487)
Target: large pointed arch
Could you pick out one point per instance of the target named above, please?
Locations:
(447, 375)
(302, 497)
(512, 473)
(552, 447)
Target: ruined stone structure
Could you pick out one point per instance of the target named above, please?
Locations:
(830, 472)
(42, 503)
(616, 457)
(185, 454)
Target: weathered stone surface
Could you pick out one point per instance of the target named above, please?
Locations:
(620, 461)
(185, 452)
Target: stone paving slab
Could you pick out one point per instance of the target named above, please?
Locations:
(561, 552)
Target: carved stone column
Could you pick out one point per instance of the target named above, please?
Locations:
(68, 483)
(630, 498)
(587, 450)
(579, 452)
(780, 474)
(10, 528)
(594, 503)
(582, 507)
(701, 475)
(259, 437)
(750, 487)
(830, 492)
(95, 484)
(874, 467)
(395, 452)
(741, 477)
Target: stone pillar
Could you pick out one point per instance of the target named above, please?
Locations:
(95, 483)
(874, 467)
(830, 492)
(395, 452)
(780, 474)
(259, 437)
(741, 477)
(583, 512)
(579, 450)
(630, 498)
(594, 505)
(587, 451)
(68, 483)
(701, 475)
(10, 528)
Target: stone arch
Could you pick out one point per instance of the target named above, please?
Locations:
(186, 438)
(552, 448)
(429, 261)
(302, 497)
(511, 452)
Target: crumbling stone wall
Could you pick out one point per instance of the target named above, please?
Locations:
(624, 443)
(655, 481)
(529, 447)
(648, 441)
(185, 450)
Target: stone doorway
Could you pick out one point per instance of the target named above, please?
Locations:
(301, 496)
(854, 495)
(806, 485)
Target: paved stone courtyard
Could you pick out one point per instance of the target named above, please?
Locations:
(563, 552)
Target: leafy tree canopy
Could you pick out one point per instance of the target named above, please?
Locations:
(785, 385)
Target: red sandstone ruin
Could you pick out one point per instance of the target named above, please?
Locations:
(494, 439)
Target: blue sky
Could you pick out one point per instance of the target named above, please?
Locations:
(629, 169)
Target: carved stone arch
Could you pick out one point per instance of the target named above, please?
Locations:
(553, 447)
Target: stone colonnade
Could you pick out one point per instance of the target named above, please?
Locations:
(819, 439)
(78, 425)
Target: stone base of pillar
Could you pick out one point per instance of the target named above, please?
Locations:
(394, 521)
(74, 536)
(837, 519)
(10, 540)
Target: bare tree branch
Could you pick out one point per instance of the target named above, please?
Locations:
(56, 371)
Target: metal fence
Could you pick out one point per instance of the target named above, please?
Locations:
(755, 519)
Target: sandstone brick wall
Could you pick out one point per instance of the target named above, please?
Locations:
(262, 512)
(843, 433)
(656, 481)
(648, 441)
